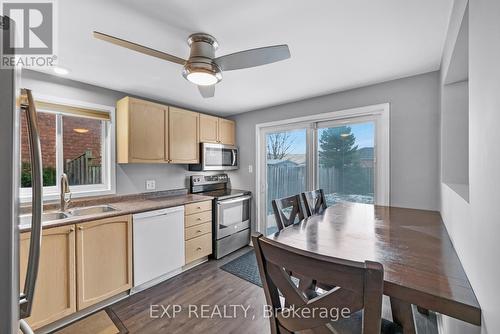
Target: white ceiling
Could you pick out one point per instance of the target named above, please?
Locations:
(335, 45)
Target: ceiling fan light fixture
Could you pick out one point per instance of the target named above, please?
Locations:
(202, 67)
(202, 78)
(202, 74)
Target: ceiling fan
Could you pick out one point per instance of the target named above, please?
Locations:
(202, 67)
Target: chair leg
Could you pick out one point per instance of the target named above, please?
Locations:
(402, 314)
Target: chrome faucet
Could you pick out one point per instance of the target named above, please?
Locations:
(65, 192)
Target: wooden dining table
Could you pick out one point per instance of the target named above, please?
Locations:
(421, 266)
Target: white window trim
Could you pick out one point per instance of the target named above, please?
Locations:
(379, 113)
(108, 186)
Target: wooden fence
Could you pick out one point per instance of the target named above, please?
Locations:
(286, 180)
(83, 170)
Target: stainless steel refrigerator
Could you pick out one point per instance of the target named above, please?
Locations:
(16, 301)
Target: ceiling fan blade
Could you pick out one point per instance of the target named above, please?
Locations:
(207, 91)
(253, 57)
(138, 48)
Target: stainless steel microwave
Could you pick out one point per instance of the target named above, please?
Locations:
(217, 157)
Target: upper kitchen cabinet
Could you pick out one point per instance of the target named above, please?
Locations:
(141, 131)
(216, 130)
(209, 129)
(148, 132)
(226, 132)
(183, 139)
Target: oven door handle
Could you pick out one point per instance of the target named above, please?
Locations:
(235, 200)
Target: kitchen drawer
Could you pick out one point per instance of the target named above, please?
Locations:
(196, 231)
(198, 207)
(198, 218)
(198, 247)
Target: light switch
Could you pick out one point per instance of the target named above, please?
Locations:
(250, 169)
(150, 184)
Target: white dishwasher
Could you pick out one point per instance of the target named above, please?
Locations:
(158, 246)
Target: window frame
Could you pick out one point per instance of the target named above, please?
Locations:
(107, 152)
(379, 114)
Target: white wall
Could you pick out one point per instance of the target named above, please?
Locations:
(414, 132)
(455, 133)
(484, 158)
(129, 178)
(474, 227)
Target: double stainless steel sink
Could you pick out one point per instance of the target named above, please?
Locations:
(91, 210)
(76, 212)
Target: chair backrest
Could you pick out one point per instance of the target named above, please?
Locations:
(359, 286)
(314, 202)
(287, 210)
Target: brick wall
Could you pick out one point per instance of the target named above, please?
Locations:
(75, 144)
(47, 127)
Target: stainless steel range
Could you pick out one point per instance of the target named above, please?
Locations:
(231, 212)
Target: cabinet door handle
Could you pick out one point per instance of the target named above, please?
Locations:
(80, 228)
(198, 218)
(198, 249)
(199, 231)
(199, 208)
(72, 229)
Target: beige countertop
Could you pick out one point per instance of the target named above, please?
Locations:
(124, 205)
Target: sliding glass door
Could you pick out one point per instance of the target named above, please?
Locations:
(345, 154)
(285, 167)
(345, 168)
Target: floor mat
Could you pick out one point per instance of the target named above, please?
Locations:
(245, 267)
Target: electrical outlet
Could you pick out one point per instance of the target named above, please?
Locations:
(250, 168)
(150, 184)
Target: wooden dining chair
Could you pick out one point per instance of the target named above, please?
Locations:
(314, 202)
(359, 290)
(289, 205)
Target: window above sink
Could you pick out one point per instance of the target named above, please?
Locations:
(78, 139)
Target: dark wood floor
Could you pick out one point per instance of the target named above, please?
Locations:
(205, 284)
(209, 285)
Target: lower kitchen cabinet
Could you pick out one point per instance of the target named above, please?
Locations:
(103, 259)
(55, 288)
(198, 247)
(197, 230)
